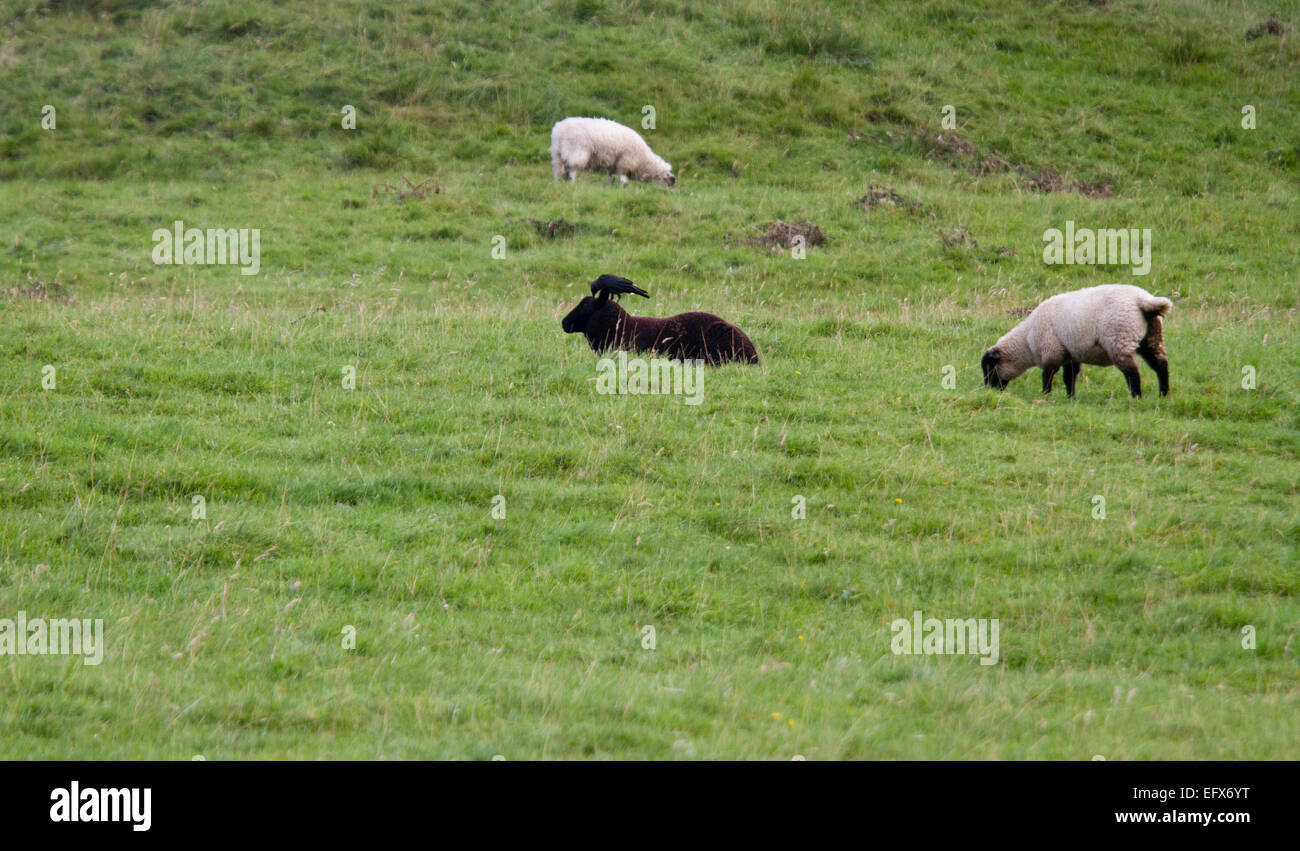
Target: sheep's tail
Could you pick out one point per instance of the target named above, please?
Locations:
(557, 162)
(1153, 306)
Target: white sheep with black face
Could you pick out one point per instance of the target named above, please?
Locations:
(598, 144)
(1104, 326)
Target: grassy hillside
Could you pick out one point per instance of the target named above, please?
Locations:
(372, 508)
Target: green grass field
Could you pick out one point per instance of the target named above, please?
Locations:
(329, 508)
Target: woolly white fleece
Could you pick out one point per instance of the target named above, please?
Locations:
(1099, 325)
(598, 144)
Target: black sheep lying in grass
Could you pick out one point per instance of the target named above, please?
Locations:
(686, 336)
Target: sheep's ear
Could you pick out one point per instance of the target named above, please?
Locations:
(993, 355)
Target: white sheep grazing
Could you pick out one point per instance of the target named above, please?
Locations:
(1103, 326)
(598, 144)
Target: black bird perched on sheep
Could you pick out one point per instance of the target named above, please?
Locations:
(686, 336)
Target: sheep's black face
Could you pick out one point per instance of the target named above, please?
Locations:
(576, 321)
(671, 179)
(990, 366)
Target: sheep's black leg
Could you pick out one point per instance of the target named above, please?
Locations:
(1129, 367)
(1070, 375)
(1152, 350)
(1156, 360)
(1049, 372)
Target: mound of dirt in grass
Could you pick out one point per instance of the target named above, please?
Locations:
(992, 164)
(1270, 27)
(1048, 180)
(552, 229)
(780, 235)
(947, 145)
(960, 240)
(880, 196)
(958, 236)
